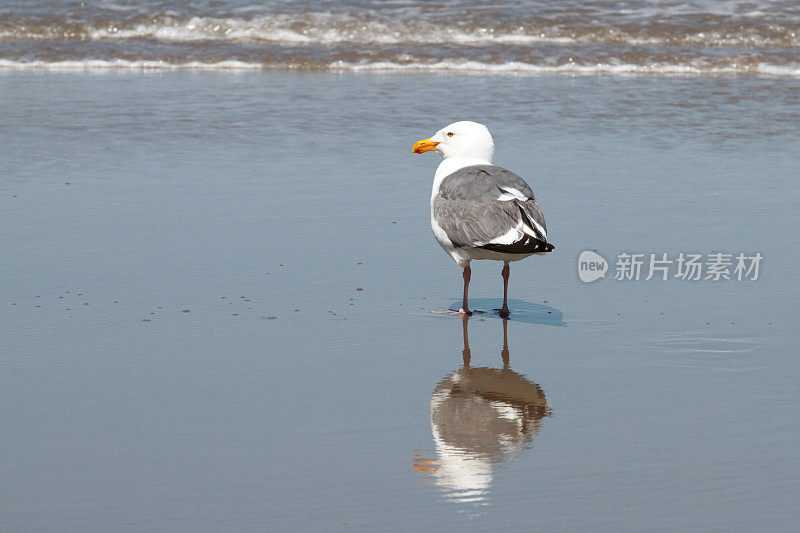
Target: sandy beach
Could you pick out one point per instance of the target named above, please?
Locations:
(217, 294)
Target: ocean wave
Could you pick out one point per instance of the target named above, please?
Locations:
(572, 68)
(325, 28)
(513, 67)
(307, 28)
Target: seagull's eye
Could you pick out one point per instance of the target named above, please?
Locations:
(450, 134)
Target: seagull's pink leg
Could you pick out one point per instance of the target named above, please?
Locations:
(464, 307)
(506, 273)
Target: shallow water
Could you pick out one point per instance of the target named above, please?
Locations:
(217, 290)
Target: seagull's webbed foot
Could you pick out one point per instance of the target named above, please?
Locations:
(503, 312)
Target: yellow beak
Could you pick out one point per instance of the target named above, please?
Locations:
(425, 145)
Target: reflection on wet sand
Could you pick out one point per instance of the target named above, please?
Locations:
(479, 415)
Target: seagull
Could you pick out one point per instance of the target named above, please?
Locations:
(480, 210)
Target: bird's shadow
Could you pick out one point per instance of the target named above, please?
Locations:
(520, 311)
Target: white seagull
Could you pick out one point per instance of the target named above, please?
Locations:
(480, 210)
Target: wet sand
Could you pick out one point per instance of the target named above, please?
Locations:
(217, 290)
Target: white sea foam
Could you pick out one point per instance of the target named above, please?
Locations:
(779, 70)
(316, 28)
(689, 69)
(568, 68)
(237, 30)
(372, 27)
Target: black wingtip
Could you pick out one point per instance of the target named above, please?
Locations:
(525, 246)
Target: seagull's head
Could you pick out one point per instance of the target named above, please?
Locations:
(460, 139)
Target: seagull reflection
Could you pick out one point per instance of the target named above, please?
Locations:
(479, 416)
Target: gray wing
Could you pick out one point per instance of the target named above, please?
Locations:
(486, 206)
